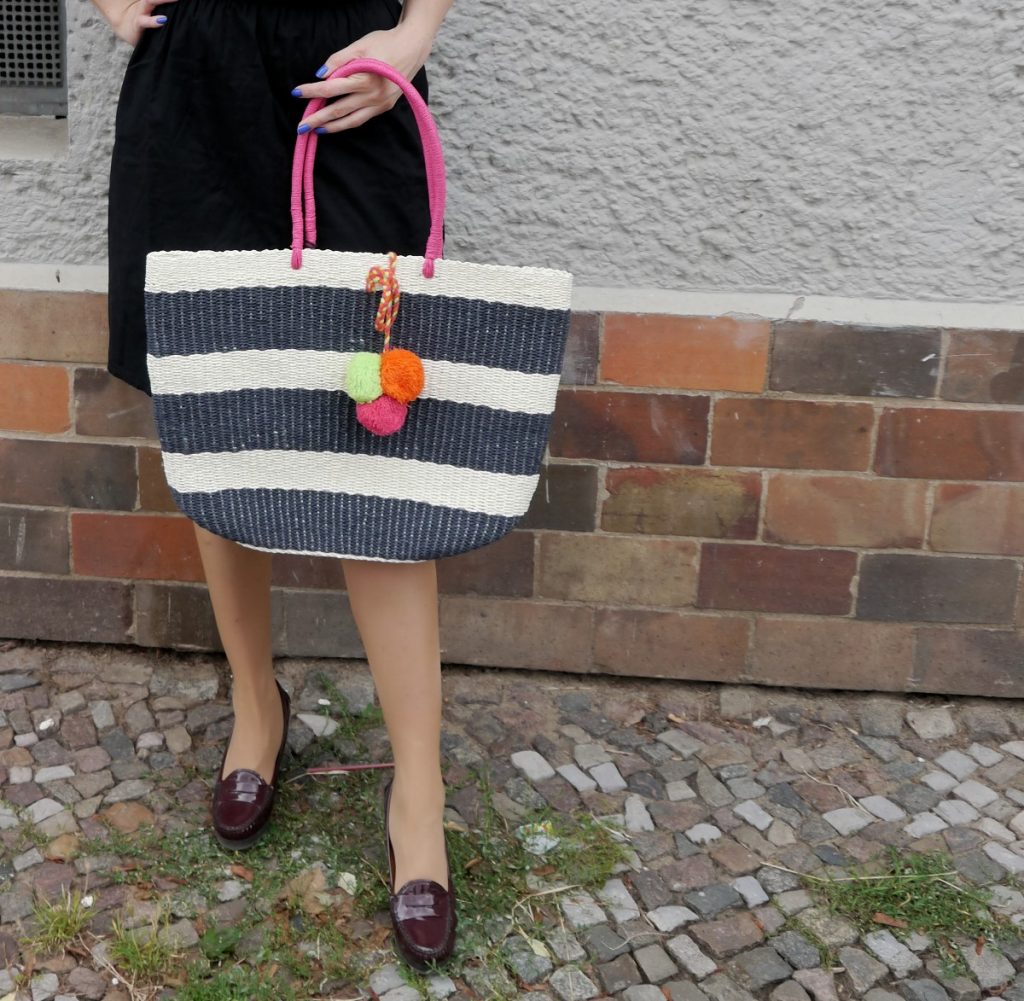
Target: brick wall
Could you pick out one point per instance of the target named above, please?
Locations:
(727, 499)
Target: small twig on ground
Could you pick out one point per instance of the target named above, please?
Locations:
(860, 879)
(850, 798)
(339, 769)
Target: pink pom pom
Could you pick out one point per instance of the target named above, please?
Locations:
(383, 416)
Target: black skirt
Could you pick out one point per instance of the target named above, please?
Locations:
(203, 142)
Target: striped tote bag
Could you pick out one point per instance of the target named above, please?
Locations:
(362, 405)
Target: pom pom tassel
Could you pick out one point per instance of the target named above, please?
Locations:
(382, 416)
(401, 374)
(363, 378)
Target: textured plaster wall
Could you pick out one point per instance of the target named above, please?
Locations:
(817, 146)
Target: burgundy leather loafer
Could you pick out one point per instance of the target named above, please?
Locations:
(242, 800)
(422, 911)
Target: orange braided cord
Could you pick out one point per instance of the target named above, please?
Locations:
(381, 278)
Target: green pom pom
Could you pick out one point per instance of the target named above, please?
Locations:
(362, 380)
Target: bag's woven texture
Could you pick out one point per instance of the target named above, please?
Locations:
(260, 441)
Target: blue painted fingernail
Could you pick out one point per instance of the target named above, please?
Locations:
(320, 129)
(296, 92)
(322, 70)
(161, 18)
(302, 128)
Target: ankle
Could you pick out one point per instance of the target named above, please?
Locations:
(255, 694)
(419, 790)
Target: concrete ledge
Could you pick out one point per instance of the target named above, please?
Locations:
(28, 137)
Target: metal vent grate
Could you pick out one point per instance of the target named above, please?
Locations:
(32, 58)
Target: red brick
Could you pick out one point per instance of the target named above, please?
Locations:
(772, 579)
(702, 502)
(686, 352)
(68, 474)
(503, 568)
(177, 616)
(154, 493)
(62, 608)
(617, 570)
(108, 407)
(984, 366)
(936, 443)
(294, 570)
(686, 646)
(34, 398)
(582, 348)
(314, 624)
(845, 511)
(516, 633)
(832, 653)
(641, 427)
(304, 623)
(928, 588)
(53, 326)
(33, 540)
(565, 498)
(994, 657)
(809, 356)
(978, 518)
(146, 546)
(799, 434)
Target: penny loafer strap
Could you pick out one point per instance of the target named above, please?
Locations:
(243, 785)
(422, 900)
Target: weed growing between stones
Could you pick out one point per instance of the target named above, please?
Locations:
(57, 924)
(920, 892)
(141, 955)
(231, 984)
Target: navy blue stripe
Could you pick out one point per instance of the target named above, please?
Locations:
(317, 318)
(320, 420)
(310, 521)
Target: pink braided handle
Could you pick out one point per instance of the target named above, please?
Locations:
(303, 205)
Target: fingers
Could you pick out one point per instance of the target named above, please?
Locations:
(149, 19)
(352, 108)
(362, 114)
(336, 87)
(343, 114)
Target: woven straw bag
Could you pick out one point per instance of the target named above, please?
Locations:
(362, 405)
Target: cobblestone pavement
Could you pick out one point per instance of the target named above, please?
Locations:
(727, 793)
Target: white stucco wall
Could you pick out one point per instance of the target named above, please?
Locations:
(805, 146)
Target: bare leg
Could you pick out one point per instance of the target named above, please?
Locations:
(239, 583)
(395, 608)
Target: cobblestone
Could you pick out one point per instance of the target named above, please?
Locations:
(796, 950)
(758, 968)
(931, 724)
(990, 969)
(864, 971)
(720, 816)
(689, 956)
(892, 952)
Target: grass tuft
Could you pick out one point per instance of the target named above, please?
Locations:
(59, 923)
(233, 983)
(915, 892)
(142, 959)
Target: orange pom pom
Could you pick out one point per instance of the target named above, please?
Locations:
(401, 375)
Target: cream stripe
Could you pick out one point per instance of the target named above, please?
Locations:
(456, 382)
(373, 475)
(188, 271)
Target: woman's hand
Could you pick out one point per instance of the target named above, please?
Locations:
(129, 21)
(361, 96)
